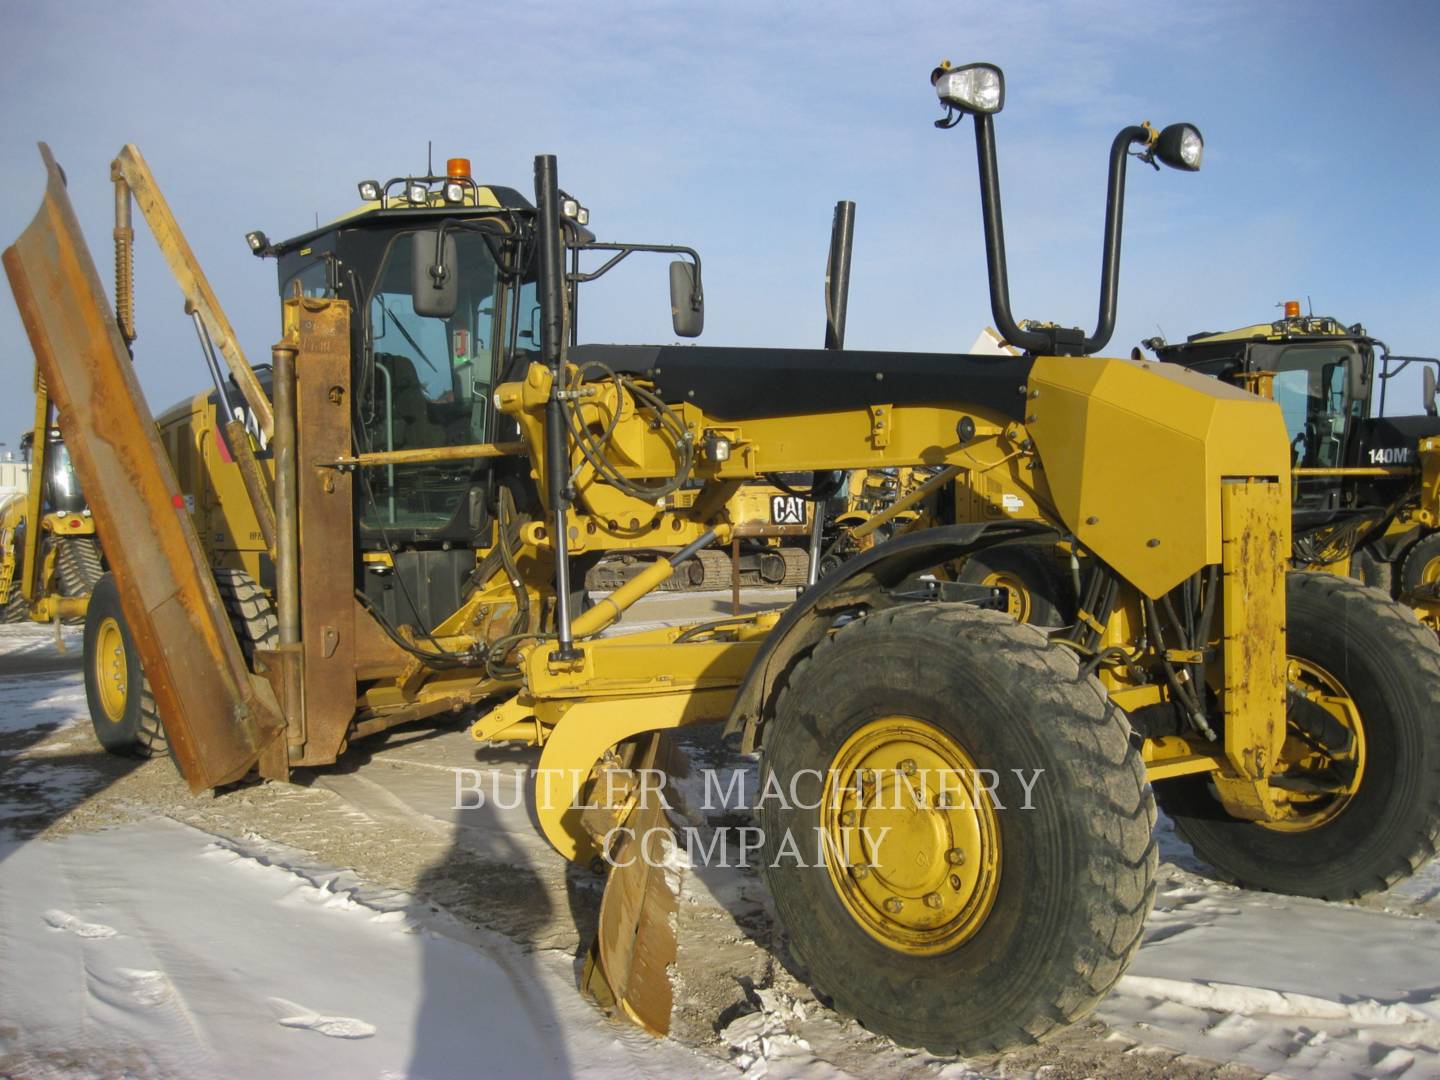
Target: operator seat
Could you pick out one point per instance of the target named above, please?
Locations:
(413, 426)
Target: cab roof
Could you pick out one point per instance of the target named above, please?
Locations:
(1302, 328)
(485, 197)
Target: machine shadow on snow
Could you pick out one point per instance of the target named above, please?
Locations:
(502, 892)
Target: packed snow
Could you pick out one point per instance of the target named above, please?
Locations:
(157, 950)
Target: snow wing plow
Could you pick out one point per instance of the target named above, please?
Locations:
(216, 720)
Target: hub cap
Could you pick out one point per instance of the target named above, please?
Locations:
(912, 843)
(110, 670)
(1318, 781)
(1017, 597)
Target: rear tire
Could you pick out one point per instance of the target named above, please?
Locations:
(1389, 665)
(1071, 878)
(252, 615)
(129, 724)
(1040, 591)
(122, 708)
(16, 609)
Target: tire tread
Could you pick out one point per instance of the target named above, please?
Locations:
(1127, 850)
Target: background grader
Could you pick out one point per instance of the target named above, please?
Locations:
(975, 797)
(1367, 488)
(50, 558)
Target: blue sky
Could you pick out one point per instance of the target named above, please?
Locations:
(735, 127)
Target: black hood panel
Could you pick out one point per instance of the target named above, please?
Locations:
(739, 383)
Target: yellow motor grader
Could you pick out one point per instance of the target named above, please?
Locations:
(50, 558)
(1367, 480)
(957, 810)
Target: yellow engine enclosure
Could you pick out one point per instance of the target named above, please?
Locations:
(1171, 439)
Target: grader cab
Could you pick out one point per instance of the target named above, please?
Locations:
(960, 844)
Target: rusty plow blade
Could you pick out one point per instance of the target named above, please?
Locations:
(628, 968)
(215, 716)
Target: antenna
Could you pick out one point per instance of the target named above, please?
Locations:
(1309, 304)
(429, 157)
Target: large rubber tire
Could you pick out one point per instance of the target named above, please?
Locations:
(1046, 593)
(16, 609)
(1389, 664)
(252, 615)
(125, 721)
(135, 730)
(78, 565)
(1075, 873)
(1367, 569)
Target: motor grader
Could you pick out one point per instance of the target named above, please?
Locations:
(50, 558)
(1367, 482)
(442, 449)
(770, 531)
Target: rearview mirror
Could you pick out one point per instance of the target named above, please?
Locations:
(434, 274)
(1428, 391)
(687, 303)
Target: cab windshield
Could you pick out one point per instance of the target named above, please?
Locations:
(1312, 387)
(426, 383)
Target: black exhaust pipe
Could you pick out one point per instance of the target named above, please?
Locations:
(837, 274)
(552, 353)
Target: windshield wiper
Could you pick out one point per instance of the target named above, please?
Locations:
(406, 334)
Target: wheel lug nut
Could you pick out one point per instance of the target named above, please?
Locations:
(932, 900)
(847, 818)
(860, 871)
(908, 766)
(955, 857)
(893, 905)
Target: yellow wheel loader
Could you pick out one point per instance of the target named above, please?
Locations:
(956, 809)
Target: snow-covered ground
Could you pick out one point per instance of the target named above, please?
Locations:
(355, 924)
(155, 949)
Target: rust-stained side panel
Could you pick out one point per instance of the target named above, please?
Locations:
(327, 524)
(216, 725)
(1255, 519)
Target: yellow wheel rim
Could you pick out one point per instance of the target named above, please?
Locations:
(110, 670)
(1425, 607)
(911, 840)
(1430, 573)
(1017, 603)
(1317, 783)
